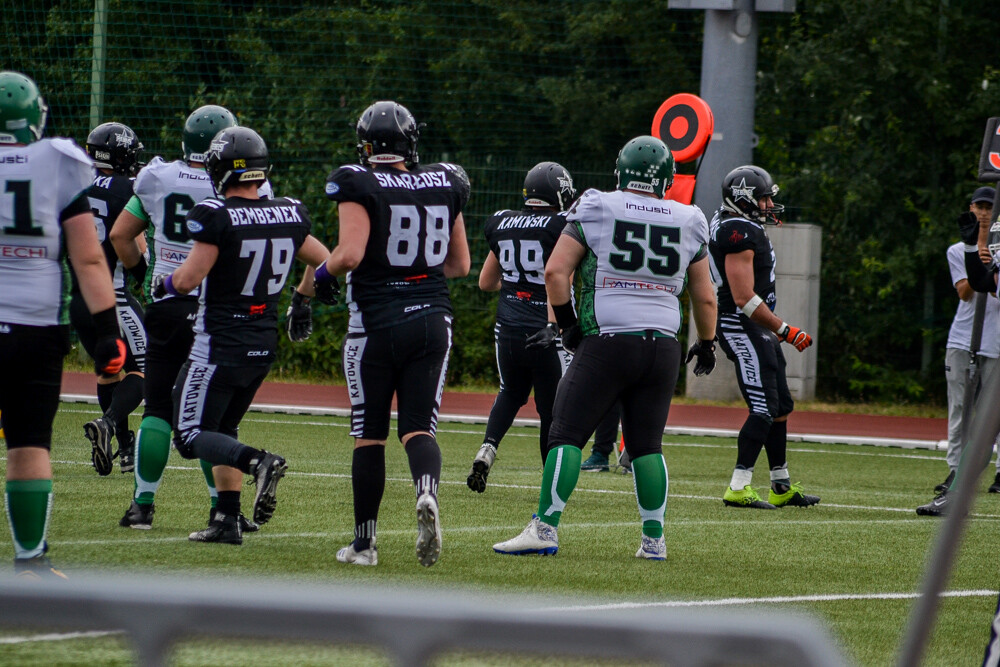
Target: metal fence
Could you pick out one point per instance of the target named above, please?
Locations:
(413, 626)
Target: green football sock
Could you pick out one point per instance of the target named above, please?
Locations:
(562, 470)
(152, 448)
(650, 478)
(29, 502)
(213, 493)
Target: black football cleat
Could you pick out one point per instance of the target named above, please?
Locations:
(100, 432)
(138, 516)
(936, 507)
(946, 484)
(267, 472)
(223, 529)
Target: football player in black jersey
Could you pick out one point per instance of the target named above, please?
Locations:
(401, 236)
(243, 251)
(750, 334)
(529, 352)
(115, 150)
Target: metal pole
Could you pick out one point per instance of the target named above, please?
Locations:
(98, 62)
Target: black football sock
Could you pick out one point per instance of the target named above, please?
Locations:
(425, 463)
(229, 503)
(751, 440)
(105, 394)
(775, 446)
(368, 484)
(126, 398)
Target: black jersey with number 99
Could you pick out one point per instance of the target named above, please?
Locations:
(411, 215)
(238, 307)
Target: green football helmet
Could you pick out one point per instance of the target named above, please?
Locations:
(22, 109)
(201, 127)
(645, 164)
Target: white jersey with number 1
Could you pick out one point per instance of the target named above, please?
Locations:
(638, 252)
(37, 182)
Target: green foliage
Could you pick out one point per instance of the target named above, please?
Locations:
(870, 115)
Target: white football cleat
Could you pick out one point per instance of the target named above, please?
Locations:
(538, 538)
(428, 530)
(652, 548)
(367, 556)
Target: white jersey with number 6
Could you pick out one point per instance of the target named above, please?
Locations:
(638, 252)
(167, 191)
(37, 182)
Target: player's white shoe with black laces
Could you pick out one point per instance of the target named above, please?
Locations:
(367, 556)
(481, 466)
(428, 530)
(537, 538)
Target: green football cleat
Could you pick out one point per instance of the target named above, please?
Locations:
(745, 498)
(791, 498)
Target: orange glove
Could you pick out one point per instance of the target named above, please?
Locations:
(795, 336)
(109, 355)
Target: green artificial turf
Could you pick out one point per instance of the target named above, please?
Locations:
(860, 546)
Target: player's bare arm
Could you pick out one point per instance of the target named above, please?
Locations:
(199, 262)
(704, 307)
(566, 256)
(126, 237)
(490, 275)
(458, 261)
(355, 227)
(313, 253)
(739, 270)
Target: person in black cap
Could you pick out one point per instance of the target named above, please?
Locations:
(960, 334)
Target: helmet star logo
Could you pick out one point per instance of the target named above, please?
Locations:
(216, 147)
(743, 191)
(124, 138)
(565, 183)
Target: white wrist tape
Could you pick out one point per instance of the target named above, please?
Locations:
(751, 305)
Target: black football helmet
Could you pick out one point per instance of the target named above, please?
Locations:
(387, 132)
(236, 155)
(742, 190)
(548, 184)
(115, 146)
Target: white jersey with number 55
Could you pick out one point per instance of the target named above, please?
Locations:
(37, 182)
(635, 267)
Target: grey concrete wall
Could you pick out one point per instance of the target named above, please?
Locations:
(797, 251)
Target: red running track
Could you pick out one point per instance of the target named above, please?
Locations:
(696, 416)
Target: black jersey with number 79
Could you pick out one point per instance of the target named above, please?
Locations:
(411, 214)
(238, 307)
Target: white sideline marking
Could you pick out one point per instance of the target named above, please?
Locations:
(819, 439)
(53, 637)
(144, 537)
(905, 443)
(723, 602)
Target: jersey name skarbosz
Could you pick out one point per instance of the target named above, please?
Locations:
(238, 306)
(411, 215)
(522, 242)
(168, 191)
(108, 196)
(637, 254)
(730, 234)
(37, 182)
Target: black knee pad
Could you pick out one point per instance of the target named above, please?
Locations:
(184, 443)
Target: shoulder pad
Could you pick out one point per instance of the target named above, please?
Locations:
(462, 184)
(69, 148)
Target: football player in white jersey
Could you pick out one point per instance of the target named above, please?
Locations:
(634, 252)
(164, 193)
(44, 212)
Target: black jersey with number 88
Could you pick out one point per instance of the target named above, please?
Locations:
(411, 214)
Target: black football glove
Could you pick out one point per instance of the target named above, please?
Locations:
(704, 351)
(571, 337)
(300, 319)
(968, 228)
(542, 338)
(327, 291)
(158, 286)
